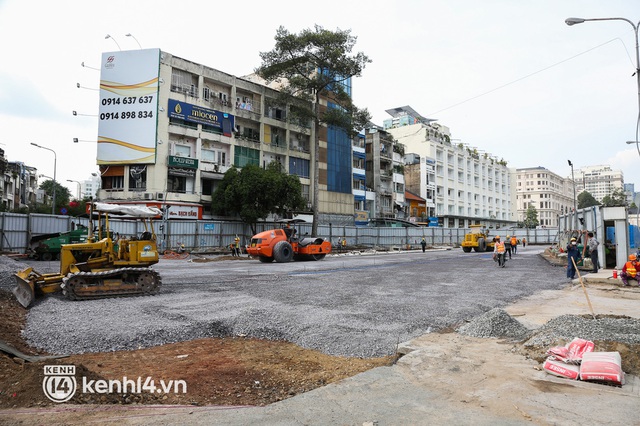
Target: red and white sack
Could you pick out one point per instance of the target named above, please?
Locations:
(602, 367)
(572, 352)
(561, 369)
(578, 347)
(560, 353)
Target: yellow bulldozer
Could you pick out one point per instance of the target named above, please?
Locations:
(478, 240)
(101, 266)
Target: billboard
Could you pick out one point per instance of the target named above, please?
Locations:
(128, 112)
(196, 114)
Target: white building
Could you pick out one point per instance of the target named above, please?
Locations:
(599, 181)
(549, 193)
(470, 187)
(89, 188)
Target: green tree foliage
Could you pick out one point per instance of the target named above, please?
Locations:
(531, 219)
(253, 193)
(617, 199)
(314, 63)
(585, 199)
(63, 195)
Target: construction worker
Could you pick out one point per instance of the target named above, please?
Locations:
(508, 246)
(423, 243)
(236, 245)
(514, 244)
(572, 253)
(498, 252)
(630, 271)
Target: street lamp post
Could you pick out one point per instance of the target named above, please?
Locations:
(132, 36)
(114, 40)
(575, 207)
(574, 21)
(55, 160)
(71, 180)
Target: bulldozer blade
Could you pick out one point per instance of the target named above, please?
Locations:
(24, 289)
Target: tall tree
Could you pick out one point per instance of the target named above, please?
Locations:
(531, 219)
(253, 193)
(617, 199)
(585, 199)
(62, 193)
(309, 65)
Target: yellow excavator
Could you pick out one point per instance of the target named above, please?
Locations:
(101, 266)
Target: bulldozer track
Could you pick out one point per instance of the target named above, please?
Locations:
(91, 285)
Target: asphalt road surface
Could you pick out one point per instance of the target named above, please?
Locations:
(349, 305)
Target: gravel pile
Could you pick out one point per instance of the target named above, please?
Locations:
(494, 324)
(8, 267)
(564, 328)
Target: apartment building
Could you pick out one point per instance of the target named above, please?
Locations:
(385, 173)
(19, 184)
(550, 194)
(599, 181)
(461, 185)
(170, 128)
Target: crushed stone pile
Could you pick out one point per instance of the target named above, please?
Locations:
(495, 323)
(566, 327)
(8, 267)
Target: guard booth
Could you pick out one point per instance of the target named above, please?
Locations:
(610, 225)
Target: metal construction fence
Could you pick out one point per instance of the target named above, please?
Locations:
(16, 231)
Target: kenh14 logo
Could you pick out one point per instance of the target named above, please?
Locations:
(59, 383)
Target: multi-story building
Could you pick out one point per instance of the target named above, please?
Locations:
(599, 181)
(466, 186)
(170, 128)
(550, 194)
(89, 187)
(420, 180)
(385, 173)
(18, 185)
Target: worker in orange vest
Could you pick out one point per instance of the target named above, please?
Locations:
(499, 252)
(514, 244)
(630, 271)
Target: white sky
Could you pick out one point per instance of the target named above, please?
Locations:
(562, 92)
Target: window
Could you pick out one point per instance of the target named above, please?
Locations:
(137, 178)
(207, 186)
(244, 156)
(208, 155)
(182, 150)
(299, 167)
(177, 184)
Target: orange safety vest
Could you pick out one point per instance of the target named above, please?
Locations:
(500, 247)
(630, 268)
(514, 241)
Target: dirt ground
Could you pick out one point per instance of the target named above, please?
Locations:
(230, 371)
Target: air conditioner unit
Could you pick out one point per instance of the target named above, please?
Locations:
(148, 196)
(160, 196)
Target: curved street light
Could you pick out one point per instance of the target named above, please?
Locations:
(574, 21)
(55, 160)
(71, 180)
(114, 40)
(131, 35)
